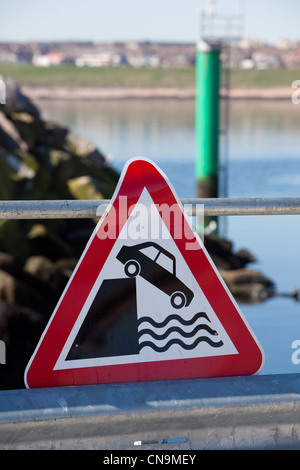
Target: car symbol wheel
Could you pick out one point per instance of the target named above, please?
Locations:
(132, 268)
(178, 300)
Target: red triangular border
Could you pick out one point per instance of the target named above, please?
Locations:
(137, 175)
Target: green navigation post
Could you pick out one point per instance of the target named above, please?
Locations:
(207, 119)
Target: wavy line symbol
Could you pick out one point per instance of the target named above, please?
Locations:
(179, 330)
(173, 317)
(181, 343)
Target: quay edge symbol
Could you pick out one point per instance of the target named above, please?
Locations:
(140, 310)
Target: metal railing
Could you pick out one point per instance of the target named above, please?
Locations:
(69, 209)
(257, 412)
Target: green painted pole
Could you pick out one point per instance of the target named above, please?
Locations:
(207, 119)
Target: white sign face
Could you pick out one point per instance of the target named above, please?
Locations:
(176, 324)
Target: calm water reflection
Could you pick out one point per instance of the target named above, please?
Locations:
(164, 130)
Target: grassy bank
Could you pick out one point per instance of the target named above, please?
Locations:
(140, 77)
(105, 77)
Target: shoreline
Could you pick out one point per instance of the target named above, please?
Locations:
(98, 93)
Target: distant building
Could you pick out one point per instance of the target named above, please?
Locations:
(51, 58)
(247, 64)
(143, 60)
(247, 53)
(286, 44)
(103, 59)
(265, 60)
(8, 57)
(93, 60)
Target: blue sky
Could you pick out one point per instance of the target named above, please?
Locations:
(161, 20)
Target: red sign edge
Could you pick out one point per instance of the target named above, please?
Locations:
(249, 348)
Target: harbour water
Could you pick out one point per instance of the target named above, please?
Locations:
(260, 157)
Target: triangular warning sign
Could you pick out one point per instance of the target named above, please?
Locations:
(145, 301)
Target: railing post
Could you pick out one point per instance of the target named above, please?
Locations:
(207, 118)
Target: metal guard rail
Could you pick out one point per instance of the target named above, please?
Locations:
(68, 209)
(256, 412)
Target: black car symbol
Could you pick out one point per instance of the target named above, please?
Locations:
(157, 266)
